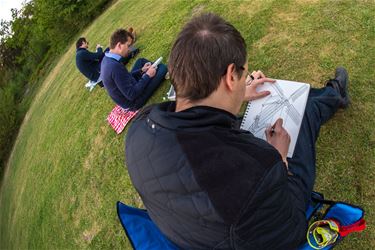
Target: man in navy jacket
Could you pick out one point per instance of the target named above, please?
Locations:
(208, 184)
(88, 63)
(130, 90)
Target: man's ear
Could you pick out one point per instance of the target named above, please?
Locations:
(229, 77)
(118, 46)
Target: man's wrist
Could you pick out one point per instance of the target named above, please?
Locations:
(146, 76)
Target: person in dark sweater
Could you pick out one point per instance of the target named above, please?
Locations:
(206, 183)
(88, 63)
(129, 90)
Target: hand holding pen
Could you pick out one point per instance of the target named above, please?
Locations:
(148, 69)
(278, 137)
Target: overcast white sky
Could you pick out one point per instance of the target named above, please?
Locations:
(6, 5)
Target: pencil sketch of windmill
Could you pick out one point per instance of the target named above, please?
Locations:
(277, 103)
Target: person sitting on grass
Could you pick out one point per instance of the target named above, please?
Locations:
(206, 183)
(129, 90)
(88, 63)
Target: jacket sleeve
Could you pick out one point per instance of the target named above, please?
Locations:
(136, 72)
(274, 218)
(126, 83)
(91, 56)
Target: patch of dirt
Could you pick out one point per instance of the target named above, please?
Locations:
(89, 234)
(307, 1)
(288, 16)
(251, 8)
(197, 10)
(84, 211)
(96, 147)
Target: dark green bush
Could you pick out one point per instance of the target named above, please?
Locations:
(8, 122)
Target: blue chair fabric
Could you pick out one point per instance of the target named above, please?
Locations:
(144, 234)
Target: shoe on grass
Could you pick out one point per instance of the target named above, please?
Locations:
(340, 84)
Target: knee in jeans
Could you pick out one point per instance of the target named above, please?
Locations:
(162, 69)
(142, 61)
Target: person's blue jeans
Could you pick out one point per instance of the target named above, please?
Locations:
(151, 86)
(321, 106)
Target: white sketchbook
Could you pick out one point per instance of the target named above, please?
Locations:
(287, 101)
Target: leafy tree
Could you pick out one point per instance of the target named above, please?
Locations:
(37, 33)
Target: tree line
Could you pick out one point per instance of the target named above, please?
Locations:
(36, 35)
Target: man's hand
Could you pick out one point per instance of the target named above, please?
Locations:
(98, 46)
(278, 137)
(146, 67)
(151, 72)
(258, 74)
(251, 89)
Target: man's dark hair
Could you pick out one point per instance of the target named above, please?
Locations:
(80, 41)
(201, 54)
(120, 35)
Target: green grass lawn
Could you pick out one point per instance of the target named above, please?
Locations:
(67, 171)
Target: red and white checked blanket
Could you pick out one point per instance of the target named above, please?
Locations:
(119, 118)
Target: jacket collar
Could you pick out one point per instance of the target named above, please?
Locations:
(117, 57)
(78, 49)
(195, 118)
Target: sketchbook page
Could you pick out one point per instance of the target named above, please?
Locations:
(287, 100)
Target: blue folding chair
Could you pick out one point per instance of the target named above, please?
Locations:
(143, 233)
(141, 230)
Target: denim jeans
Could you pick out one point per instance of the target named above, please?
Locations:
(151, 86)
(321, 106)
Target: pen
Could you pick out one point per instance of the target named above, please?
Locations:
(272, 131)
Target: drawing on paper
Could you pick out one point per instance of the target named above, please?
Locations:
(277, 104)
